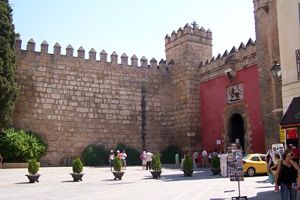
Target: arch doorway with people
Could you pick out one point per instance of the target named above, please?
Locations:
(237, 130)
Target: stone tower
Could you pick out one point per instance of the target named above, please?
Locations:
(267, 43)
(185, 49)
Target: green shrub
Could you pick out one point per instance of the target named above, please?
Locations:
(155, 163)
(21, 146)
(133, 155)
(33, 167)
(77, 166)
(188, 163)
(215, 162)
(95, 155)
(168, 155)
(117, 164)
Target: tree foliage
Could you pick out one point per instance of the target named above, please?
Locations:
(95, 155)
(133, 155)
(168, 155)
(21, 146)
(8, 86)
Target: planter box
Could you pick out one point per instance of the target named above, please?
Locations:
(118, 175)
(77, 177)
(33, 178)
(15, 165)
(188, 172)
(155, 174)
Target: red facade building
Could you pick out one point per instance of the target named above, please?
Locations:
(230, 110)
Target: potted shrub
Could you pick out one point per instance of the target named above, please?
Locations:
(117, 168)
(156, 166)
(215, 165)
(77, 168)
(33, 168)
(188, 166)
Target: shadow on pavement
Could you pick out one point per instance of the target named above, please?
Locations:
(264, 181)
(24, 183)
(267, 195)
(271, 186)
(217, 198)
(197, 174)
(70, 181)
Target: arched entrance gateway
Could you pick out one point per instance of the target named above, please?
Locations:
(237, 130)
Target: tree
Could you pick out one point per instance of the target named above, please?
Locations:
(8, 85)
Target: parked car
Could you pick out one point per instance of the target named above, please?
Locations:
(254, 164)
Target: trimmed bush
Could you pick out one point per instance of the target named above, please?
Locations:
(133, 155)
(95, 155)
(77, 166)
(168, 155)
(117, 164)
(21, 146)
(188, 163)
(215, 162)
(155, 163)
(33, 167)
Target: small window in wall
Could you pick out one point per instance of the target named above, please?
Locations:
(298, 63)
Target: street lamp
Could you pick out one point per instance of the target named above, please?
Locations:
(276, 70)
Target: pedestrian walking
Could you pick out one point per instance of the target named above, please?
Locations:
(177, 161)
(204, 157)
(270, 163)
(223, 164)
(123, 158)
(195, 158)
(111, 159)
(273, 169)
(148, 159)
(200, 160)
(286, 176)
(143, 159)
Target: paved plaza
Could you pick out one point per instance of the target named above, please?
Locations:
(56, 184)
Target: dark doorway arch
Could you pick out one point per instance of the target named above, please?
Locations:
(236, 129)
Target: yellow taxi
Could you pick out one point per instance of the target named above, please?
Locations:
(254, 164)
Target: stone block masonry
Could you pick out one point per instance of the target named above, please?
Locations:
(76, 101)
(73, 102)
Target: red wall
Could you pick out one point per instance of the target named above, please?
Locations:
(213, 102)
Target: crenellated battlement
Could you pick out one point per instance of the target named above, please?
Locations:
(92, 54)
(235, 58)
(83, 100)
(188, 33)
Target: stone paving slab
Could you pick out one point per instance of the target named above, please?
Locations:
(56, 184)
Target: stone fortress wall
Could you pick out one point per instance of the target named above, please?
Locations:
(73, 102)
(76, 101)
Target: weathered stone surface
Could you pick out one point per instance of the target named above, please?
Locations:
(73, 102)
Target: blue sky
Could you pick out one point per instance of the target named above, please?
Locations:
(131, 26)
